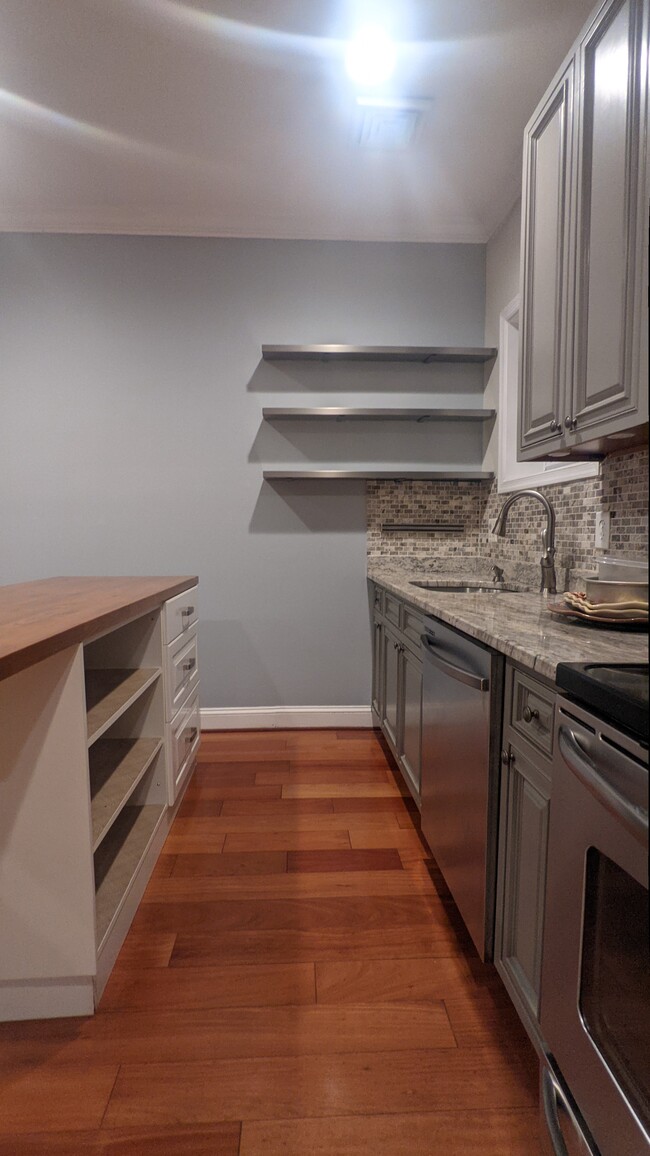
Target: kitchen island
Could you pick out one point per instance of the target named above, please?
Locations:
(87, 776)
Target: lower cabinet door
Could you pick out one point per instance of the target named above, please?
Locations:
(523, 835)
(377, 642)
(410, 730)
(390, 655)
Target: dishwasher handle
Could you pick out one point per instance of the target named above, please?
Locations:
(456, 672)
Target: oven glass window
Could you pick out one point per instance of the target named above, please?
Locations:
(615, 977)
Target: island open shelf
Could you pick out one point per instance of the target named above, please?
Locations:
(116, 768)
(117, 860)
(109, 693)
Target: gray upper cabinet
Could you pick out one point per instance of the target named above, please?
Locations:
(585, 247)
(544, 324)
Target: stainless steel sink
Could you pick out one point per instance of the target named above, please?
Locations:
(464, 588)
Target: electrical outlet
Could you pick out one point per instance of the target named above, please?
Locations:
(601, 540)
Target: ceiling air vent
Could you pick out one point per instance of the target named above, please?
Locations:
(387, 128)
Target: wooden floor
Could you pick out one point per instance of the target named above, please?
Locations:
(296, 982)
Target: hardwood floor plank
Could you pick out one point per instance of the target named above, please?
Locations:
(213, 1140)
(286, 945)
(364, 1083)
(509, 1132)
(390, 805)
(367, 981)
(192, 1035)
(317, 773)
(366, 836)
(231, 824)
(288, 841)
(222, 791)
(330, 790)
(309, 914)
(36, 1097)
(381, 859)
(267, 809)
(194, 807)
(480, 1017)
(153, 949)
(240, 865)
(168, 989)
(239, 774)
(291, 886)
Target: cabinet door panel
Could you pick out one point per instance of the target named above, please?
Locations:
(545, 247)
(377, 643)
(390, 679)
(524, 828)
(610, 205)
(411, 718)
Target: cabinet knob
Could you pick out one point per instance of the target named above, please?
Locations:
(187, 611)
(529, 714)
(570, 423)
(396, 646)
(190, 664)
(505, 757)
(554, 425)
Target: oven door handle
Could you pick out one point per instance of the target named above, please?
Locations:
(456, 672)
(552, 1094)
(595, 779)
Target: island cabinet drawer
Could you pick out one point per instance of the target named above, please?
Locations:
(180, 613)
(392, 608)
(532, 712)
(184, 736)
(182, 673)
(412, 627)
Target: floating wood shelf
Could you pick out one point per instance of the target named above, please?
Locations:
(395, 475)
(426, 354)
(116, 768)
(345, 413)
(109, 693)
(117, 860)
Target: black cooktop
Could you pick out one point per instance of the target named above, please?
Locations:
(616, 691)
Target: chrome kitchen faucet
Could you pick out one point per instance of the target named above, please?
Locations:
(547, 561)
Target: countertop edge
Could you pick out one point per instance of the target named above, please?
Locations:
(22, 657)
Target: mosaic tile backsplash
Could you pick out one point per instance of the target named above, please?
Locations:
(622, 489)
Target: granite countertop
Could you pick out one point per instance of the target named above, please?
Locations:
(519, 625)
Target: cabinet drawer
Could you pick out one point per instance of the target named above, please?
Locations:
(392, 607)
(180, 613)
(378, 599)
(182, 671)
(532, 712)
(412, 627)
(184, 738)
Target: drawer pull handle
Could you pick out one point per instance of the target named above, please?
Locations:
(187, 611)
(189, 665)
(529, 714)
(191, 735)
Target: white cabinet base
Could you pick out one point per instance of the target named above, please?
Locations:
(46, 998)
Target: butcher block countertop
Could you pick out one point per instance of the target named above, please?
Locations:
(37, 619)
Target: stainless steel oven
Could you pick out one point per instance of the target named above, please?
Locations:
(595, 995)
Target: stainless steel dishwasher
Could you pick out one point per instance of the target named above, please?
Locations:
(462, 694)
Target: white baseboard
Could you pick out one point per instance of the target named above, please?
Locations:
(242, 718)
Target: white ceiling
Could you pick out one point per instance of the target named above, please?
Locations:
(235, 118)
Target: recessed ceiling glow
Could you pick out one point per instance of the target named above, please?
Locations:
(370, 56)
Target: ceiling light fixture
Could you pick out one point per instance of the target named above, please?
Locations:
(370, 56)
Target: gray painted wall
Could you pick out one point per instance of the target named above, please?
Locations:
(131, 439)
